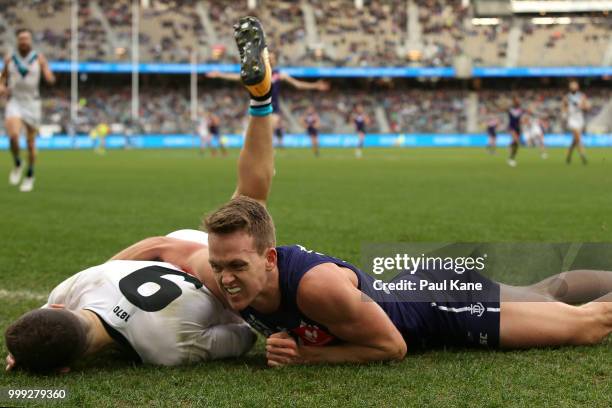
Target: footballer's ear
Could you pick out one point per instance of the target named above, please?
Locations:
(270, 257)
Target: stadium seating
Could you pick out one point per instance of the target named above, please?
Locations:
(376, 35)
(581, 43)
(166, 108)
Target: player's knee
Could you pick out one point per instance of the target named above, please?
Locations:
(402, 349)
(396, 350)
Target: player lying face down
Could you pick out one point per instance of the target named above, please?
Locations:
(153, 311)
(315, 308)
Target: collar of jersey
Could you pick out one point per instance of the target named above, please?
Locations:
(23, 64)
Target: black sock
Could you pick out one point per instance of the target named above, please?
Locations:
(30, 172)
(513, 150)
(17, 161)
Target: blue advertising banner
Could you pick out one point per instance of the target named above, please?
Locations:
(184, 141)
(329, 72)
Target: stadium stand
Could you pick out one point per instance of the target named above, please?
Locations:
(165, 108)
(309, 32)
(379, 34)
(582, 42)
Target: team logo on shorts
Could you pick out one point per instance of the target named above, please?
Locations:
(477, 309)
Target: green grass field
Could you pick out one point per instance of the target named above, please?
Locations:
(87, 207)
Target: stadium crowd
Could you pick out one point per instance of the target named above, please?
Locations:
(166, 108)
(375, 35)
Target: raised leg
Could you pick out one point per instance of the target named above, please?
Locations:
(256, 160)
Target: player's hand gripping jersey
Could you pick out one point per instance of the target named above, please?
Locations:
(158, 312)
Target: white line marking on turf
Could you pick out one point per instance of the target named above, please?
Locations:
(22, 294)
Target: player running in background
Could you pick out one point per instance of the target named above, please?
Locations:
(575, 104)
(277, 78)
(99, 134)
(279, 132)
(311, 122)
(534, 134)
(515, 120)
(492, 124)
(209, 128)
(20, 81)
(361, 121)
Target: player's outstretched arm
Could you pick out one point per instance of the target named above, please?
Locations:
(46, 70)
(228, 76)
(4, 78)
(165, 249)
(327, 295)
(319, 85)
(222, 341)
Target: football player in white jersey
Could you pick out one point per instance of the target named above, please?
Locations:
(534, 135)
(575, 104)
(20, 80)
(158, 310)
(155, 312)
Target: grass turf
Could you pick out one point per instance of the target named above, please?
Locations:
(86, 207)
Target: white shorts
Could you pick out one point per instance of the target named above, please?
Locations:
(28, 111)
(534, 133)
(190, 235)
(575, 124)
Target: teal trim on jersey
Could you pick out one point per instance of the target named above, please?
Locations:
(24, 68)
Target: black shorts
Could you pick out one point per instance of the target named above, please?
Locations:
(313, 132)
(516, 129)
(492, 131)
(448, 317)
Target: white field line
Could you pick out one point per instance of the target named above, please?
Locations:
(22, 295)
